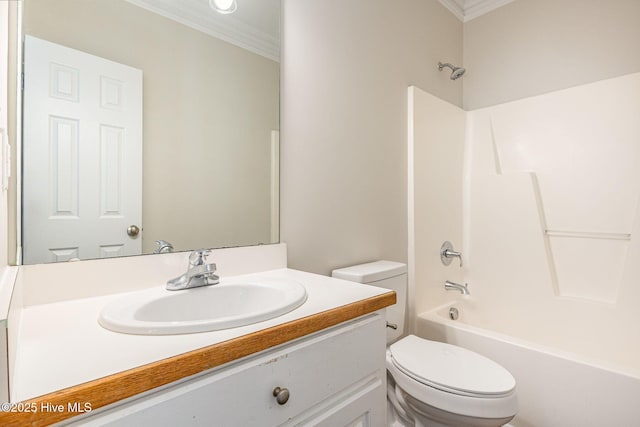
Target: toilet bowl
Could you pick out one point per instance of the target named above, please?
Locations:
(430, 383)
(444, 385)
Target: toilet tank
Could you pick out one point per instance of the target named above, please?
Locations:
(384, 274)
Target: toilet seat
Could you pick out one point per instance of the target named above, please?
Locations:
(450, 368)
(428, 371)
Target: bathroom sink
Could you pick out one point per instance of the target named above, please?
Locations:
(227, 305)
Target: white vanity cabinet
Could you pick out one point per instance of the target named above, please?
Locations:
(335, 377)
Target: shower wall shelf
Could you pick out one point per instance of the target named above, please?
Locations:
(588, 234)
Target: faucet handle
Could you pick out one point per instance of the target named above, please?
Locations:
(447, 252)
(198, 257)
(162, 247)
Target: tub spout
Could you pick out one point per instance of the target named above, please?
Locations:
(451, 286)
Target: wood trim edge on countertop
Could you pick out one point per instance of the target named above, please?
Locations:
(113, 388)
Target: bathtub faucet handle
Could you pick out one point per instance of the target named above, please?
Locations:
(447, 253)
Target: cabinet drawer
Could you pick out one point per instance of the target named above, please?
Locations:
(313, 369)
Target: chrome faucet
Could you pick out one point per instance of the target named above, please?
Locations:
(199, 273)
(451, 286)
(163, 247)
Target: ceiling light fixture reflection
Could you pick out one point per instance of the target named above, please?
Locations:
(223, 6)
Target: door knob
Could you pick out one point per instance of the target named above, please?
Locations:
(133, 230)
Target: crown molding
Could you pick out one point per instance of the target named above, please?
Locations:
(454, 6)
(466, 10)
(224, 27)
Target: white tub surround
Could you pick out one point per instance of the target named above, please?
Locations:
(435, 152)
(543, 203)
(553, 220)
(64, 355)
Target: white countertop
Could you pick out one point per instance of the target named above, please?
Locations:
(61, 344)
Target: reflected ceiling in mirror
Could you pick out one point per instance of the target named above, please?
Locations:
(209, 122)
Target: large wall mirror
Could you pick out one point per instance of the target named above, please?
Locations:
(146, 121)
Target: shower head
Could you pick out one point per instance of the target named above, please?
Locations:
(456, 72)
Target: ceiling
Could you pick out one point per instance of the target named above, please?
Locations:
(254, 26)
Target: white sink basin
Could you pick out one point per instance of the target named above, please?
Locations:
(227, 305)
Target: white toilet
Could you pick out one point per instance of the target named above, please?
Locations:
(430, 383)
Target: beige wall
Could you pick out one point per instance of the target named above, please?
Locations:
(209, 109)
(530, 47)
(346, 68)
(4, 86)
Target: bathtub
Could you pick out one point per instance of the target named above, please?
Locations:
(556, 388)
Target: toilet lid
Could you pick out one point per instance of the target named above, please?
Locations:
(451, 368)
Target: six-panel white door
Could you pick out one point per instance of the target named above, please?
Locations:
(82, 164)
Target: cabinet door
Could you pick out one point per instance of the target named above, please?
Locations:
(362, 405)
(324, 373)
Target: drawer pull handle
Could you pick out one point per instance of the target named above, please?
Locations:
(281, 395)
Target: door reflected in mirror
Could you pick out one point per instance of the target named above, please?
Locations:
(182, 149)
